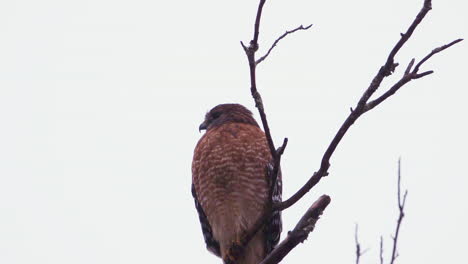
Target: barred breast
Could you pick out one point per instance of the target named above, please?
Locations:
(229, 175)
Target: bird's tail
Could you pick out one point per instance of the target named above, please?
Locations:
(254, 252)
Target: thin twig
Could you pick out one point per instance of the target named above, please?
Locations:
(275, 153)
(381, 250)
(300, 232)
(358, 246)
(359, 252)
(363, 105)
(408, 76)
(301, 27)
(435, 51)
(250, 52)
(401, 207)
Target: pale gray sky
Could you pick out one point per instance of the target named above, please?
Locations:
(100, 102)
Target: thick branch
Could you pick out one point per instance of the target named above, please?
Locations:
(300, 232)
(363, 105)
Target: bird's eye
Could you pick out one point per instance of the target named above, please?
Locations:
(215, 115)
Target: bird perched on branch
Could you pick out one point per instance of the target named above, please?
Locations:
(231, 184)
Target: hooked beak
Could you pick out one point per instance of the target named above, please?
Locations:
(202, 126)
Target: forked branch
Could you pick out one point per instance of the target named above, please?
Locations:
(276, 154)
(410, 74)
(250, 52)
(359, 251)
(401, 207)
(363, 105)
(401, 214)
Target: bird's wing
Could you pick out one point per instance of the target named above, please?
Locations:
(211, 244)
(274, 226)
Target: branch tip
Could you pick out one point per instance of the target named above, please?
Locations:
(301, 27)
(281, 149)
(381, 250)
(410, 65)
(300, 233)
(243, 46)
(420, 75)
(433, 52)
(401, 207)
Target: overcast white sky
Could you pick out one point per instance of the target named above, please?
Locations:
(100, 102)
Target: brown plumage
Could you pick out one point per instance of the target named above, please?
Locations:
(230, 183)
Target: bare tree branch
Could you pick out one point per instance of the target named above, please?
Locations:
(401, 207)
(381, 250)
(435, 51)
(305, 225)
(301, 27)
(257, 24)
(300, 232)
(250, 52)
(363, 106)
(275, 153)
(408, 76)
(359, 253)
(358, 246)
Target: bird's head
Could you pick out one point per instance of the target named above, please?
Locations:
(227, 113)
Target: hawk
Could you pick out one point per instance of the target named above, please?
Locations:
(231, 184)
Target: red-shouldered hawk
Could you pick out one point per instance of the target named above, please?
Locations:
(230, 183)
